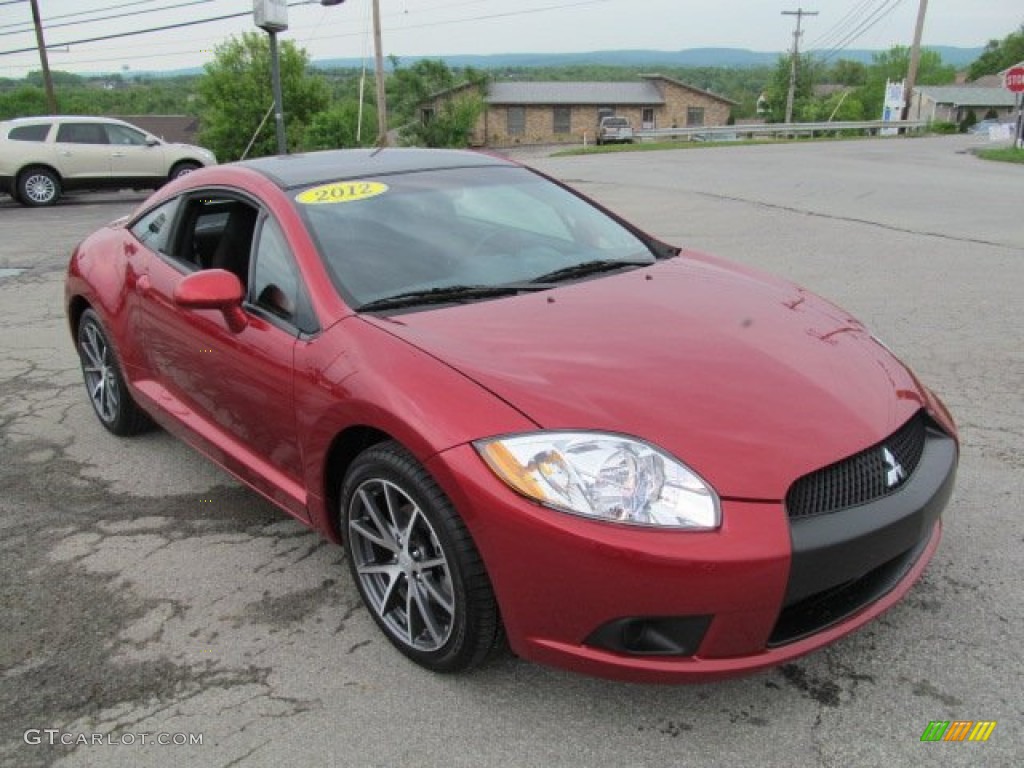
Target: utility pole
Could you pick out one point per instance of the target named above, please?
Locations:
(915, 59)
(378, 54)
(51, 98)
(799, 13)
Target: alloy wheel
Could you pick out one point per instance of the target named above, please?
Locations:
(100, 374)
(39, 188)
(401, 565)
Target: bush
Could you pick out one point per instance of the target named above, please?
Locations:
(969, 121)
(941, 126)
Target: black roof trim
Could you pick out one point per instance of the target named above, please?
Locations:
(291, 171)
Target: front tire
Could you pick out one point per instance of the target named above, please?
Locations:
(38, 187)
(110, 399)
(414, 562)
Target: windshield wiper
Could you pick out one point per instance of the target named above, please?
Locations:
(449, 294)
(587, 268)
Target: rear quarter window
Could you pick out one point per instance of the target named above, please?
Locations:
(29, 132)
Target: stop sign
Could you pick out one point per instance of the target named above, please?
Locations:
(1015, 79)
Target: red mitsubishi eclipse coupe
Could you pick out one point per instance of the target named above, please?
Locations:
(522, 416)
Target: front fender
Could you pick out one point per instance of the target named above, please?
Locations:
(358, 376)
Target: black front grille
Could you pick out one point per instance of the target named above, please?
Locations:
(863, 477)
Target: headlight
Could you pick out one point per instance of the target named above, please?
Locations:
(603, 476)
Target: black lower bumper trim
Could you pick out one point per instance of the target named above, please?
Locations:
(835, 549)
(822, 610)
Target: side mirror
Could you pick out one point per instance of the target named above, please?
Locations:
(152, 141)
(214, 289)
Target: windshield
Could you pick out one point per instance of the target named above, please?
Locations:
(481, 227)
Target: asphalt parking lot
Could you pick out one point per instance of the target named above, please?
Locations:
(145, 592)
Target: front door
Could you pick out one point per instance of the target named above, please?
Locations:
(132, 157)
(233, 388)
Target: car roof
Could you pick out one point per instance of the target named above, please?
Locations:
(66, 119)
(37, 119)
(289, 171)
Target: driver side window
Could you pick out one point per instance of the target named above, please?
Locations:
(217, 233)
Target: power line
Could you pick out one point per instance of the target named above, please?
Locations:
(841, 27)
(521, 12)
(880, 13)
(116, 16)
(868, 20)
(117, 35)
(80, 13)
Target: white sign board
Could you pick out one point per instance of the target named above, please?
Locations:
(892, 110)
(271, 15)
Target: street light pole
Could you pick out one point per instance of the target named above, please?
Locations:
(272, 17)
(275, 85)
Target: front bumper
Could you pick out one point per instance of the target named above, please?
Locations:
(758, 592)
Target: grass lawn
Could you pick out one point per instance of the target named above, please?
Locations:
(1003, 155)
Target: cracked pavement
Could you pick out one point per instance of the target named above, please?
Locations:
(144, 591)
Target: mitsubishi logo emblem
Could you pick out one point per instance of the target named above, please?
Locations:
(894, 471)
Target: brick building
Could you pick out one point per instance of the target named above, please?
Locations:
(952, 103)
(556, 111)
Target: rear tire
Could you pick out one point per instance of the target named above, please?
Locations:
(183, 168)
(37, 187)
(110, 399)
(414, 563)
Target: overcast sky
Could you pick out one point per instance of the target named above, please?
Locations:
(439, 27)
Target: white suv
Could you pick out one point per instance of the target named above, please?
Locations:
(40, 157)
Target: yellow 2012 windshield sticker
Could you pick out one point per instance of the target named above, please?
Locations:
(341, 192)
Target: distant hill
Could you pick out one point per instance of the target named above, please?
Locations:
(690, 57)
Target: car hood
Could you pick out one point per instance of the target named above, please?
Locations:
(751, 381)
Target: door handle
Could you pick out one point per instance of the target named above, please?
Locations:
(117, 154)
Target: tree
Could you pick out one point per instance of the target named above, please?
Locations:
(235, 94)
(26, 101)
(893, 65)
(841, 106)
(336, 128)
(451, 126)
(999, 55)
(848, 72)
(35, 77)
(408, 87)
(777, 90)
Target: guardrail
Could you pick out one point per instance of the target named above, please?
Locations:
(734, 132)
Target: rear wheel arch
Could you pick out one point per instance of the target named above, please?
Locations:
(183, 167)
